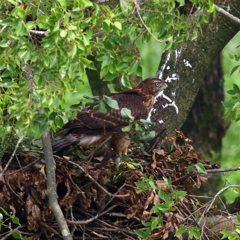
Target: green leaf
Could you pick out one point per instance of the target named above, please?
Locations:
(16, 235)
(106, 28)
(43, 22)
(126, 113)
(63, 33)
(56, 27)
(62, 72)
(71, 35)
(236, 88)
(7, 22)
(118, 25)
(168, 181)
(238, 217)
(133, 68)
(180, 230)
(111, 102)
(63, 4)
(102, 107)
(85, 61)
(15, 220)
(85, 40)
(162, 195)
(110, 76)
(162, 207)
(142, 185)
(225, 233)
(234, 69)
(200, 168)
(4, 211)
(72, 27)
(142, 234)
(231, 92)
(74, 51)
(30, 25)
(59, 121)
(228, 104)
(189, 169)
(66, 19)
(156, 222)
(127, 128)
(125, 81)
(21, 29)
(128, 57)
(152, 185)
(21, 13)
(107, 21)
(6, 73)
(194, 35)
(4, 43)
(147, 136)
(146, 224)
(195, 232)
(180, 194)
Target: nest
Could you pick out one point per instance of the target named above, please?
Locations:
(100, 202)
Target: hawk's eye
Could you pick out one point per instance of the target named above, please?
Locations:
(158, 84)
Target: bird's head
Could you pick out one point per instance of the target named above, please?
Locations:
(152, 86)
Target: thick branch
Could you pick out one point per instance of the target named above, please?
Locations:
(227, 14)
(52, 186)
(186, 67)
(50, 169)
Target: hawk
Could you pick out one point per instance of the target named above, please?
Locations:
(92, 127)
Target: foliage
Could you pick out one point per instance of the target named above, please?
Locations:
(13, 220)
(199, 167)
(168, 201)
(53, 40)
(232, 235)
(193, 232)
(230, 150)
(233, 105)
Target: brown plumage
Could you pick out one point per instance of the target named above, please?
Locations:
(91, 127)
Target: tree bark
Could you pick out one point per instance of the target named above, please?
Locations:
(205, 124)
(186, 66)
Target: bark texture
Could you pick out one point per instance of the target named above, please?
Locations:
(205, 124)
(186, 67)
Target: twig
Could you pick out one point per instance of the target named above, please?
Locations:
(50, 228)
(23, 168)
(208, 171)
(227, 14)
(90, 156)
(223, 170)
(8, 185)
(214, 198)
(90, 177)
(218, 193)
(9, 161)
(40, 33)
(93, 218)
(146, 27)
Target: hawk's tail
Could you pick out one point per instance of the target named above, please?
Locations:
(64, 142)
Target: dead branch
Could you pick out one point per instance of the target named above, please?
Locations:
(52, 187)
(227, 14)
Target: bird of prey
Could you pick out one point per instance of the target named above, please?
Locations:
(92, 127)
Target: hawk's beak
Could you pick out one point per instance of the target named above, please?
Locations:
(164, 86)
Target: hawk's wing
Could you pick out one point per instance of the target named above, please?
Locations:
(93, 121)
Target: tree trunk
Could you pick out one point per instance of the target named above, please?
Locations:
(204, 124)
(186, 67)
